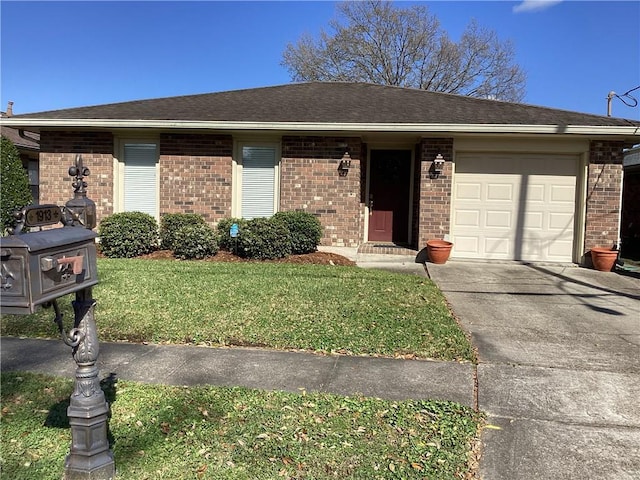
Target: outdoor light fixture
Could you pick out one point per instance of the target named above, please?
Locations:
(345, 163)
(437, 166)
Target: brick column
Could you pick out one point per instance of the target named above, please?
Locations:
(604, 186)
(434, 194)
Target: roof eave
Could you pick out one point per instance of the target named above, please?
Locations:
(44, 123)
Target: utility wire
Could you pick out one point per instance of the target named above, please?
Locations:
(632, 102)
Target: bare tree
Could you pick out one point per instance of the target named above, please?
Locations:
(373, 41)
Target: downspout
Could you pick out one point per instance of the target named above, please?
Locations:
(25, 137)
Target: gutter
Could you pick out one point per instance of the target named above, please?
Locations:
(618, 130)
(22, 135)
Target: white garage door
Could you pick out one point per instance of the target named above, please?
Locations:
(514, 206)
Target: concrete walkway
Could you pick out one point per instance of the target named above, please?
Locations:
(254, 368)
(559, 369)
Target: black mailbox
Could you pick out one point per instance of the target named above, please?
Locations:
(39, 267)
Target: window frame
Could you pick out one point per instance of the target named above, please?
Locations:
(119, 166)
(237, 181)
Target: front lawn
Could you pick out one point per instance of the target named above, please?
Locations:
(163, 432)
(284, 306)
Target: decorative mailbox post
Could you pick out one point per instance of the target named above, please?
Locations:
(41, 266)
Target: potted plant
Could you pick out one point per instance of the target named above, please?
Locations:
(438, 250)
(603, 258)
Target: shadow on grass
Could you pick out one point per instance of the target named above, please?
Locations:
(57, 416)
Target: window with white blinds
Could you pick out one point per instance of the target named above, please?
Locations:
(258, 181)
(140, 160)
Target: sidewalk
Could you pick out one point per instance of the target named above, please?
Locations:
(254, 368)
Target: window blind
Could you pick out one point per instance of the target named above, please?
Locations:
(140, 178)
(258, 181)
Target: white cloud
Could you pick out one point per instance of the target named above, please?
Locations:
(534, 5)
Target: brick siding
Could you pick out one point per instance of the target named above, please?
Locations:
(196, 174)
(604, 184)
(58, 152)
(310, 182)
(433, 196)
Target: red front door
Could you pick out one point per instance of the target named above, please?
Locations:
(389, 182)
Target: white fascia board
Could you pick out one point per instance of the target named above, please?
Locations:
(321, 127)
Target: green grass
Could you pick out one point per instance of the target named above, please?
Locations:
(283, 306)
(163, 432)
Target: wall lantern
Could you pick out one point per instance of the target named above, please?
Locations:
(345, 163)
(437, 166)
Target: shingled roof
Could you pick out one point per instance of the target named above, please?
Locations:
(332, 102)
(26, 141)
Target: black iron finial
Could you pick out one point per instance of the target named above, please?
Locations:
(80, 210)
(79, 171)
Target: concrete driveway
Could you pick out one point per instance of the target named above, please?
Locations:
(559, 370)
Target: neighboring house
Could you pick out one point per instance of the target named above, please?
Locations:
(519, 182)
(630, 228)
(28, 145)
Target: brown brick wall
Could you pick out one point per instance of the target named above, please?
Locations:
(433, 195)
(310, 182)
(58, 152)
(195, 175)
(604, 184)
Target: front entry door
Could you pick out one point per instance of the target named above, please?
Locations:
(389, 183)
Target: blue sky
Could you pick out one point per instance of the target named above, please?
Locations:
(67, 54)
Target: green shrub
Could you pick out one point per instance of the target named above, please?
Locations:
(172, 222)
(14, 185)
(225, 241)
(196, 240)
(264, 239)
(305, 229)
(128, 234)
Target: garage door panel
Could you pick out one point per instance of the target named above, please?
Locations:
(563, 194)
(532, 246)
(467, 218)
(467, 245)
(469, 191)
(561, 221)
(498, 219)
(535, 193)
(534, 221)
(500, 192)
(514, 206)
(499, 247)
(559, 249)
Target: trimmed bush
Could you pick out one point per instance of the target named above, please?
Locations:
(196, 240)
(14, 185)
(225, 241)
(264, 239)
(305, 229)
(171, 223)
(128, 234)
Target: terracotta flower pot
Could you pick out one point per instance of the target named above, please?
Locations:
(603, 258)
(438, 250)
